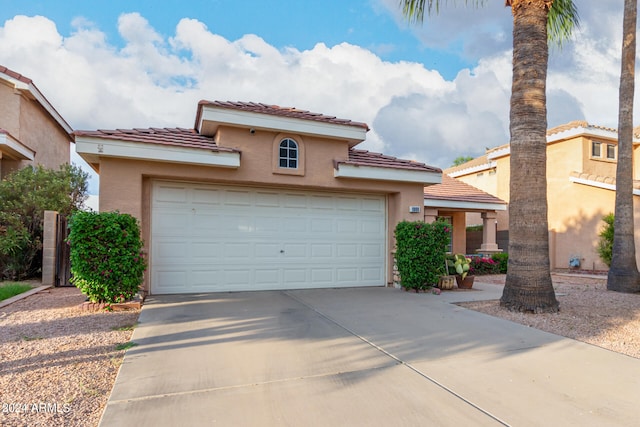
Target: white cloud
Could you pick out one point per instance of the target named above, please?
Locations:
(153, 80)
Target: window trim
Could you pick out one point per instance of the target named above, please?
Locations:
(613, 147)
(299, 170)
(595, 144)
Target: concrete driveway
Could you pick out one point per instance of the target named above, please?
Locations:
(350, 357)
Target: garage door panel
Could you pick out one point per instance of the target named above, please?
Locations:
(321, 250)
(168, 252)
(170, 194)
(170, 281)
(204, 197)
(206, 251)
(347, 250)
(221, 238)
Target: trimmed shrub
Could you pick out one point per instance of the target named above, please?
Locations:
(605, 244)
(503, 260)
(480, 266)
(420, 252)
(107, 264)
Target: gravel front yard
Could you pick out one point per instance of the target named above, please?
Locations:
(588, 313)
(58, 363)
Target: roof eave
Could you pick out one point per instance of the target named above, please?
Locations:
(344, 170)
(92, 149)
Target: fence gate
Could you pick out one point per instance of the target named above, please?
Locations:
(63, 264)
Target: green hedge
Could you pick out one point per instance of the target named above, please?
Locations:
(420, 252)
(107, 264)
(502, 259)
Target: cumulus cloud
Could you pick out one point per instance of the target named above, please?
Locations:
(154, 80)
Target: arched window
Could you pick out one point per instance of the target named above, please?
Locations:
(288, 154)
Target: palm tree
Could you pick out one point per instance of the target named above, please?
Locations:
(528, 285)
(623, 273)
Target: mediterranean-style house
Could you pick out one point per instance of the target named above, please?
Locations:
(32, 132)
(581, 170)
(258, 197)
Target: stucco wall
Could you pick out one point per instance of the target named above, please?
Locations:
(40, 132)
(27, 121)
(125, 184)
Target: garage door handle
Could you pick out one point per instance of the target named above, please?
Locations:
(281, 251)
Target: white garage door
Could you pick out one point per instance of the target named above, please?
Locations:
(207, 238)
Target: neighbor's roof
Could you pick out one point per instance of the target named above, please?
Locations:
(366, 158)
(23, 83)
(163, 136)
(276, 110)
(455, 190)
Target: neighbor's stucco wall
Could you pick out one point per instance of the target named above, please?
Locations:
(125, 184)
(26, 120)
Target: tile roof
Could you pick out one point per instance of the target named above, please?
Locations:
(478, 161)
(366, 158)
(15, 75)
(601, 179)
(276, 110)
(453, 189)
(164, 136)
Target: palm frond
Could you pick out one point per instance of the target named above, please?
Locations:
(563, 19)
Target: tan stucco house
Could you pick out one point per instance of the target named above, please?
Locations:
(581, 170)
(258, 197)
(32, 132)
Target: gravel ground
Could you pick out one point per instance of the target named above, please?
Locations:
(588, 313)
(57, 362)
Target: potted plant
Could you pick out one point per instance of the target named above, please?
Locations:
(462, 265)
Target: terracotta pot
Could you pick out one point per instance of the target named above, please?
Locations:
(466, 283)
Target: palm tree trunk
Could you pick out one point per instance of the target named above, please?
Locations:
(528, 285)
(623, 273)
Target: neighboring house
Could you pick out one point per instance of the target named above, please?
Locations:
(452, 201)
(32, 132)
(581, 170)
(258, 197)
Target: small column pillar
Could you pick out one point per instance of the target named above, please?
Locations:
(489, 244)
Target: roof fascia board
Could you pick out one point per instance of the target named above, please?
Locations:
(91, 149)
(33, 90)
(473, 169)
(15, 148)
(279, 123)
(386, 174)
(455, 204)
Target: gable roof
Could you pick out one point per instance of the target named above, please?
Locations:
(276, 110)
(367, 158)
(163, 136)
(257, 116)
(26, 85)
(452, 193)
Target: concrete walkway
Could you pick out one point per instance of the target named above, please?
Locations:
(356, 357)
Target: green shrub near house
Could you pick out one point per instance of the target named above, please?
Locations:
(605, 243)
(107, 263)
(420, 252)
(24, 196)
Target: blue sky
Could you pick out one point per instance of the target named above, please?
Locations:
(429, 93)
